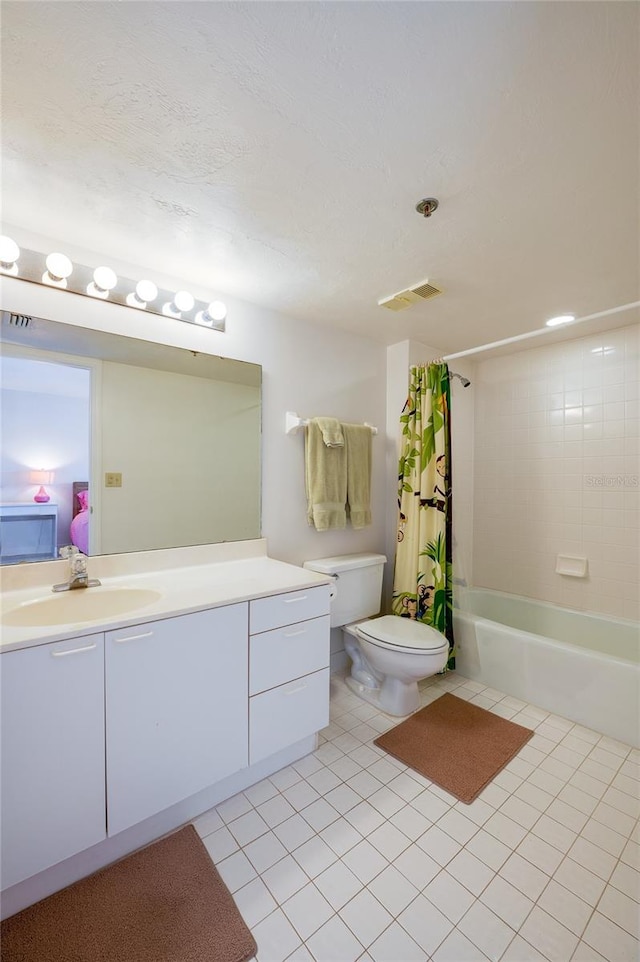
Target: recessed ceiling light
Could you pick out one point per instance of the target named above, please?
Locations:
(561, 319)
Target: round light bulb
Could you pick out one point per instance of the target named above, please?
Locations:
(183, 301)
(9, 250)
(59, 265)
(217, 310)
(105, 278)
(146, 291)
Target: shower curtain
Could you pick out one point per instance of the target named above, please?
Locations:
(422, 586)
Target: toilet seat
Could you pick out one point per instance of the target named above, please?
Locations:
(402, 634)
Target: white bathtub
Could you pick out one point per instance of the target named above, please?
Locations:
(582, 666)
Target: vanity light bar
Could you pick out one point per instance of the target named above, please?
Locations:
(57, 270)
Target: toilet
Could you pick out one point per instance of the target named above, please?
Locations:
(389, 654)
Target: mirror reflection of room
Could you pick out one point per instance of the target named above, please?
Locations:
(122, 447)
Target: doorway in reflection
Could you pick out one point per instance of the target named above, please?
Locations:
(45, 458)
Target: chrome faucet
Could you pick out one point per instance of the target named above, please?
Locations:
(78, 576)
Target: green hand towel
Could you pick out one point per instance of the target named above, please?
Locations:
(325, 481)
(331, 431)
(358, 444)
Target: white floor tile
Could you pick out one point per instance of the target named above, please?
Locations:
(314, 856)
(457, 948)
(334, 942)
(395, 944)
(319, 814)
(566, 907)
(404, 872)
(338, 884)
(620, 909)
(236, 871)
(526, 877)
(470, 872)
(393, 890)
(365, 861)
(488, 849)
(416, 866)
(425, 923)
(275, 937)
(508, 902)
(265, 852)
(579, 880)
(438, 845)
(612, 942)
(254, 902)
(284, 879)
(307, 910)
(366, 917)
(547, 935)
(448, 895)
(486, 930)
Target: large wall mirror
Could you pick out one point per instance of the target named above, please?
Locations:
(116, 444)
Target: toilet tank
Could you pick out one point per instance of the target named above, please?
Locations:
(358, 585)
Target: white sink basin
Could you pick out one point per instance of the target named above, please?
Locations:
(79, 605)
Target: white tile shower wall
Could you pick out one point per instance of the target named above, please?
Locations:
(557, 470)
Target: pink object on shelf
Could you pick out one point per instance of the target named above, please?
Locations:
(79, 529)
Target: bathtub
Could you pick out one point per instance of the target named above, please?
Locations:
(585, 667)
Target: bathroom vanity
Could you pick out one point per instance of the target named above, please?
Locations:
(117, 728)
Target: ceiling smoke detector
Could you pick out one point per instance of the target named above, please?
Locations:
(426, 206)
(422, 291)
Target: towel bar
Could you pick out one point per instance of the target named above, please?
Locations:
(293, 423)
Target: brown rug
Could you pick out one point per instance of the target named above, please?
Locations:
(165, 903)
(459, 746)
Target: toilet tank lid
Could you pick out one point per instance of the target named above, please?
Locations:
(344, 562)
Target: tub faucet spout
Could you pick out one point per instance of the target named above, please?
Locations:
(78, 575)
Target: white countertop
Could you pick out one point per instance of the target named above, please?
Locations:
(182, 590)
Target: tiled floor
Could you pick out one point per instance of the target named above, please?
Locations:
(348, 855)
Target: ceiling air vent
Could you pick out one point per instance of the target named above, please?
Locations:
(423, 291)
(17, 320)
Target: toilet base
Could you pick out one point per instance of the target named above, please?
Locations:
(386, 698)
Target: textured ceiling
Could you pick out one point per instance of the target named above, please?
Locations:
(276, 151)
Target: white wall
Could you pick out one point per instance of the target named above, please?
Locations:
(557, 470)
(174, 491)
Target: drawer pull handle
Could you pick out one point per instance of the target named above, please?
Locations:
(121, 641)
(293, 634)
(294, 691)
(73, 651)
(292, 601)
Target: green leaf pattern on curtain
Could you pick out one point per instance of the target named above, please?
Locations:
(422, 587)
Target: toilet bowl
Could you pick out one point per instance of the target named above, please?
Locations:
(389, 654)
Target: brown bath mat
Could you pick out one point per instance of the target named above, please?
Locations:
(165, 903)
(459, 746)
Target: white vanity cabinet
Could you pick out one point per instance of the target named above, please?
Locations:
(176, 706)
(53, 787)
(288, 669)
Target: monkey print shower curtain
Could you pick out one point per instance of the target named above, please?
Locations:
(422, 586)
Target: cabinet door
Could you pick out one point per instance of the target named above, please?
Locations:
(177, 715)
(53, 790)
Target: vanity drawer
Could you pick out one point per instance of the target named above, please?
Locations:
(287, 714)
(277, 656)
(286, 609)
